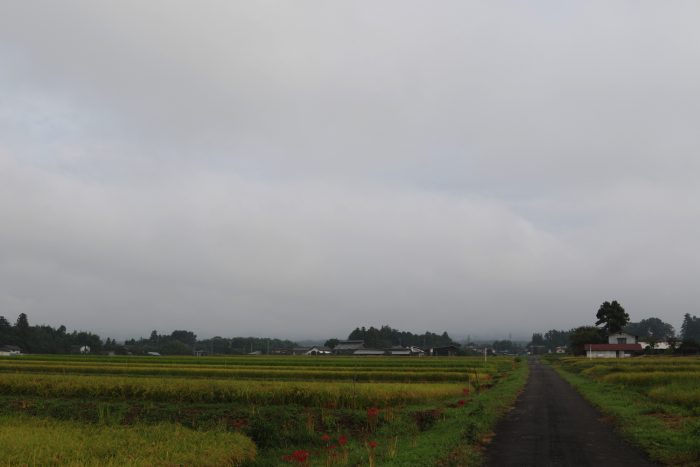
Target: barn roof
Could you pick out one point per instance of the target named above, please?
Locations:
(349, 345)
(368, 352)
(630, 347)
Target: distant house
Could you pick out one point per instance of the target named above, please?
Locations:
(404, 351)
(655, 345)
(398, 350)
(612, 350)
(445, 351)
(314, 350)
(348, 347)
(622, 338)
(9, 350)
(369, 352)
(620, 345)
(80, 348)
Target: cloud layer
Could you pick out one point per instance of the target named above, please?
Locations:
(298, 169)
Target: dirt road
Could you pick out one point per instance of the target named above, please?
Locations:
(552, 425)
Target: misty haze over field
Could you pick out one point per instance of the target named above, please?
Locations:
(298, 169)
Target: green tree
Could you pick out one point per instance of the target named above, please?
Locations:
(554, 338)
(186, 337)
(690, 329)
(22, 324)
(612, 316)
(154, 337)
(4, 324)
(651, 330)
(331, 343)
(5, 331)
(174, 347)
(504, 346)
(537, 339)
(583, 335)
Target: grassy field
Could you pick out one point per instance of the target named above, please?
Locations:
(655, 401)
(252, 411)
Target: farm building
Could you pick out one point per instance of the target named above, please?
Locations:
(348, 347)
(622, 338)
(655, 345)
(369, 352)
(612, 350)
(357, 347)
(7, 350)
(405, 351)
(315, 350)
(446, 351)
(619, 345)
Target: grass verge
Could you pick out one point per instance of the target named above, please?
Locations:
(667, 433)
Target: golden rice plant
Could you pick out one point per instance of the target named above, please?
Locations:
(37, 441)
(340, 394)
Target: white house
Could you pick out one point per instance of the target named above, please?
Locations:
(656, 346)
(620, 345)
(315, 350)
(622, 338)
(612, 350)
(9, 350)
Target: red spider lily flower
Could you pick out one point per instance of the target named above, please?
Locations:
(465, 391)
(343, 440)
(373, 412)
(460, 403)
(372, 444)
(299, 456)
(325, 437)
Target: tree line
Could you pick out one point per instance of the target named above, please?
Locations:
(386, 337)
(181, 342)
(612, 318)
(45, 339)
(50, 340)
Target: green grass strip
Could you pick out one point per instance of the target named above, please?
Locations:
(667, 433)
(458, 438)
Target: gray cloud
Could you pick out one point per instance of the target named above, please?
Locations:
(301, 168)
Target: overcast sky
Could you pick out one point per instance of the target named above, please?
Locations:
(299, 168)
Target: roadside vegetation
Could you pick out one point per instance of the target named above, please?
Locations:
(654, 401)
(253, 411)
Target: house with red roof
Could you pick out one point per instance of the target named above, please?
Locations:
(619, 345)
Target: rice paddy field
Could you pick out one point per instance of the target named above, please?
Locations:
(252, 411)
(655, 401)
